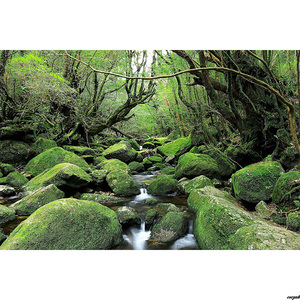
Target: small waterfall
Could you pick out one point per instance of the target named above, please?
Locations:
(141, 147)
(188, 241)
(138, 237)
(143, 191)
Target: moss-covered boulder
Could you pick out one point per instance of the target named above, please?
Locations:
(155, 159)
(151, 201)
(182, 183)
(191, 165)
(52, 157)
(147, 163)
(197, 183)
(16, 179)
(287, 188)
(256, 182)
(6, 214)
(2, 237)
(7, 191)
(152, 217)
(289, 158)
(225, 166)
(81, 150)
(163, 185)
(42, 196)
(111, 165)
(293, 221)
(14, 152)
(136, 167)
(6, 169)
(170, 228)
(133, 143)
(98, 176)
(170, 159)
(177, 147)
(62, 175)
(128, 216)
(221, 224)
(103, 199)
(168, 171)
(148, 145)
(67, 224)
(122, 151)
(41, 145)
(122, 184)
(167, 207)
(263, 210)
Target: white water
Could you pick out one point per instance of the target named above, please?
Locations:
(138, 237)
(186, 241)
(141, 197)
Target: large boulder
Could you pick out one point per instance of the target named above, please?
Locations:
(128, 216)
(16, 179)
(111, 165)
(256, 182)
(177, 147)
(197, 183)
(52, 157)
(62, 175)
(191, 165)
(67, 224)
(170, 228)
(136, 167)
(287, 188)
(41, 145)
(163, 185)
(221, 224)
(122, 151)
(6, 214)
(42, 196)
(14, 152)
(122, 183)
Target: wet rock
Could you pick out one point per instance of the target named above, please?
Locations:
(44, 195)
(68, 224)
(152, 217)
(256, 182)
(6, 214)
(52, 157)
(170, 228)
(128, 216)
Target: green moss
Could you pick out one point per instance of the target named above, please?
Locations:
(14, 152)
(6, 169)
(256, 182)
(148, 145)
(192, 165)
(52, 157)
(168, 171)
(128, 216)
(167, 207)
(122, 151)
(293, 221)
(16, 179)
(44, 195)
(136, 167)
(151, 217)
(122, 184)
(67, 224)
(147, 163)
(170, 228)
(151, 201)
(159, 166)
(163, 185)
(133, 143)
(177, 147)
(287, 188)
(263, 210)
(111, 165)
(80, 150)
(197, 183)
(41, 145)
(61, 175)
(102, 199)
(155, 159)
(6, 214)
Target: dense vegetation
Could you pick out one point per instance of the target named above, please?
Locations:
(72, 123)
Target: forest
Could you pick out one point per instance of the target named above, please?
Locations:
(149, 149)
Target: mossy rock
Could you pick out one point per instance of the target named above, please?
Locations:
(122, 151)
(170, 159)
(6, 191)
(133, 143)
(6, 214)
(155, 159)
(148, 145)
(103, 199)
(293, 221)
(163, 185)
(168, 207)
(256, 182)
(62, 175)
(151, 201)
(182, 183)
(170, 228)
(6, 169)
(3, 180)
(16, 179)
(52, 157)
(242, 155)
(67, 224)
(14, 152)
(225, 166)
(168, 171)
(98, 176)
(221, 224)
(289, 158)
(263, 210)
(147, 163)
(136, 167)
(177, 147)
(41, 145)
(99, 159)
(159, 166)
(80, 150)
(128, 216)
(152, 216)
(139, 158)
(2, 237)
(122, 184)
(44, 195)
(287, 188)
(194, 150)
(111, 165)
(191, 165)
(197, 183)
